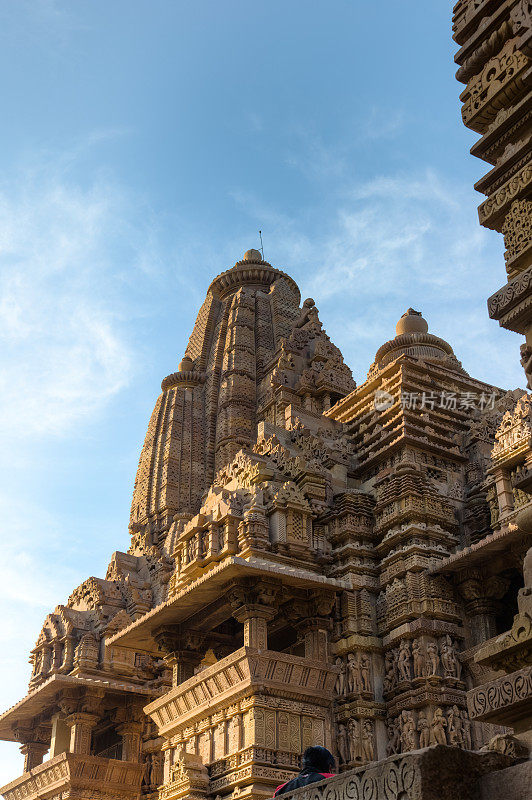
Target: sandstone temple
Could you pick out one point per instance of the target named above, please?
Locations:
(312, 561)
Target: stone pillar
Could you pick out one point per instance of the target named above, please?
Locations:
(255, 619)
(33, 753)
(130, 733)
(182, 663)
(505, 496)
(316, 638)
(60, 742)
(481, 614)
(81, 726)
(183, 650)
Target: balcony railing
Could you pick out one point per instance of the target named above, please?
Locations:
(80, 776)
(239, 674)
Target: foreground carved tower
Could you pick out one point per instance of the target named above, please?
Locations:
(310, 563)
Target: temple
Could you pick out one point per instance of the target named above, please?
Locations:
(312, 561)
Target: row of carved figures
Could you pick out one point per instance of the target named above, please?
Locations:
(354, 675)
(406, 732)
(356, 741)
(416, 660)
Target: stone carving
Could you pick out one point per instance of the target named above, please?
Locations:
(495, 42)
(484, 701)
(450, 663)
(403, 661)
(526, 363)
(354, 740)
(438, 727)
(393, 745)
(501, 74)
(340, 686)
(508, 745)
(342, 743)
(408, 731)
(419, 659)
(423, 729)
(267, 602)
(433, 658)
(454, 727)
(517, 230)
(368, 741)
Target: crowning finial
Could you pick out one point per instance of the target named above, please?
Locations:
(411, 322)
(254, 256)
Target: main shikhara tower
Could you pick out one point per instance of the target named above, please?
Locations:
(310, 563)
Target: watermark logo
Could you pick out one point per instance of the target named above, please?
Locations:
(449, 401)
(383, 400)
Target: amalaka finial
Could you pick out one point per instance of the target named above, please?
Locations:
(411, 322)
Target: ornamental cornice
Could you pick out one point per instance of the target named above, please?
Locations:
(409, 340)
(246, 273)
(473, 17)
(501, 81)
(492, 211)
(512, 305)
(190, 378)
(503, 700)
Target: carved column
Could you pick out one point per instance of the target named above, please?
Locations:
(130, 733)
(505, 495)
(254, 604)
(33, 753)
(183, 650)
(316, 627)
(81, 725)
(482, 594)
(60, 742)
(316, 637)
(35, 742)
(255, 619)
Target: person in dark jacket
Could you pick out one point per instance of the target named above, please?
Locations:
(318, 763)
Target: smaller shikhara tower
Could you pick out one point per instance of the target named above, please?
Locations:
(310, 563)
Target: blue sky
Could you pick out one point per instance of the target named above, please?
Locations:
(142, 146)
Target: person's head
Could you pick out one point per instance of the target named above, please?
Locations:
(318, 759)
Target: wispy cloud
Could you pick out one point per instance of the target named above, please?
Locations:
(381, 124)
(65, 254)
(391, 242)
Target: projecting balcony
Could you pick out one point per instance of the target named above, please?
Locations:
(81, 776)
(238, 675)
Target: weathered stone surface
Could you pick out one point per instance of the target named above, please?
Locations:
(310, 563)
(436, 773)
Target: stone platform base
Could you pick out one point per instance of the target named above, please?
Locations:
(513, 783)
(436, 773)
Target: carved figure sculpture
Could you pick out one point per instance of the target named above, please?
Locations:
(408, 731)
(342, 742)
(466, 731)
(450, 663)
(365, 666)
(438, 725)
(454, 727)
(353, 673)
(433, 659)
(418, 657)
(340, 680)
(393, 744)
(404, 661)
(390, 671)
(354, 737)
(368, 741)
(423, 729)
